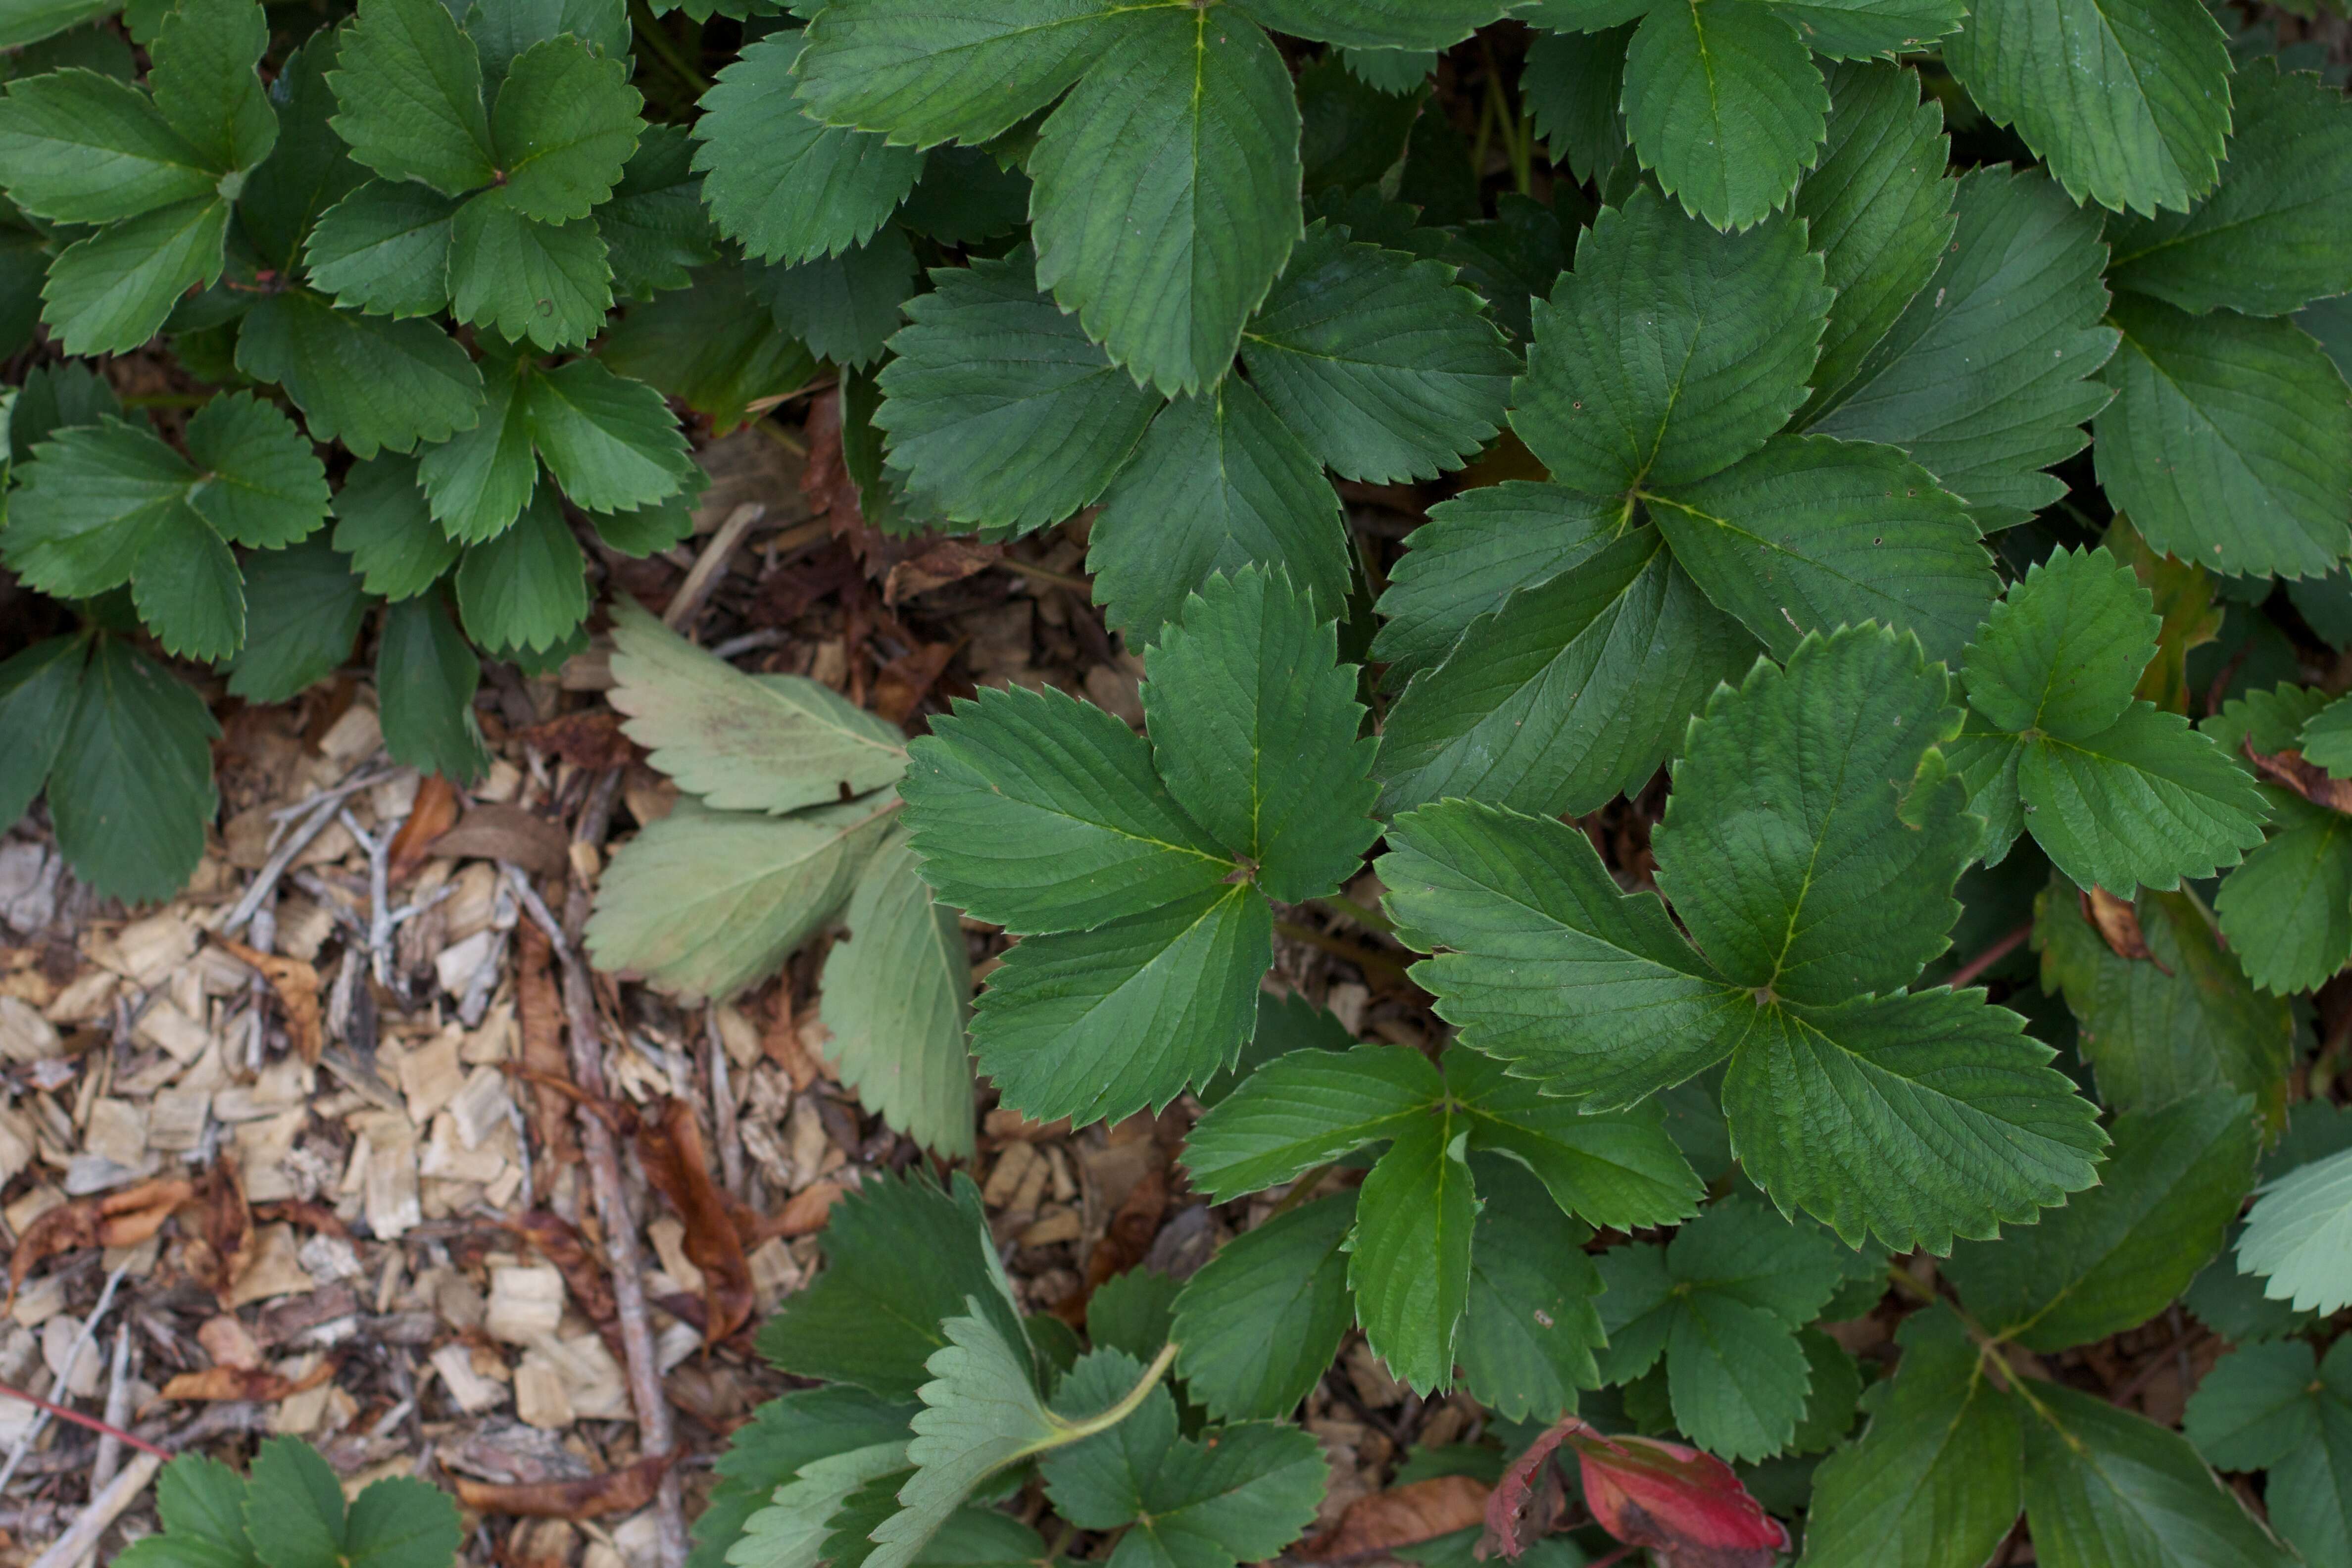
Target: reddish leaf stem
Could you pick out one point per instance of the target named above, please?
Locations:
(93, 1423)
(1966, 972)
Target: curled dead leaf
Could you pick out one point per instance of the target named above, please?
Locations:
(2288, 769)
(616, 1491)
(303, 1212)
(218, 1259)
(2118, 922)
(948, 561)
(430, 814)
(670, 1145)
(121, 1218)
(296, 985)
(900, 686)
(510, 833)
(583, 1275)
(1400, 1517)
(215, 1383)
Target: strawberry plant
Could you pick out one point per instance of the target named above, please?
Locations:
(1850, 741)
(289, 1512)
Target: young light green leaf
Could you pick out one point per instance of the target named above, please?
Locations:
(1308, 1109)
(2064, 646)
(304, 607)
(1382, 362)
(1724, 103)
(1669, 351)
(998, 409)
(111, 292)
(79, 147)
(548, 283)
(384, 248)
(2297, 1235)
(611, 442)
(133, 791)
(1530, 1327)
(262, 485)
(2229, 441)
(565, 125)
(1219, 482)
(372, 383)
(1166, 193)
(527, 587)
(1285, 1287)
(426, 675)
(411, 90)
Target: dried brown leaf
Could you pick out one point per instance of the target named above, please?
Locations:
(296, 985)
(583, 1275)
(121, 1218)
(256, 1382)
(590, 738)
(495, 832)
(948, 561)
(224, 1228)
(616, 1491)
(1400, 1517)
(900, 686)
(2289, 770)
(433, 813)
(670, 1145)
(2118, 921)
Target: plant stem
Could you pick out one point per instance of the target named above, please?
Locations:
(1078, 585)
(649, 32)
(1343, 907)
(1300, 1188)
(1362, 957)
(1073, 1431)
(1966, 972)
(102, 1428)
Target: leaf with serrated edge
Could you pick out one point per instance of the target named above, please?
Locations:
(38, 687)
(411, 90)
(566, 123)
(1409, 1259)
(2143, 802)
(1724, 105)
(1850, 30)
(1616, 1169)
(305, 606)
(133, 790)
(264, 486)
(546, 282)
(1529, 1331)
(384, 248)
(427, 674)
(188, 589)
(1287, 1282)
(111, 292)
(2288, 911)
(611, 442)
(2299, 1234)
(79, 147)
(1380, 23)
(87, 502)
(1306, 1109)
(478, 482)
(372, 383)
(790, 1532)
(1473, 551)
(845, 308)
(2064, 646)
(200, 70)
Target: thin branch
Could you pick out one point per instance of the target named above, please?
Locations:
(92, 1422)
(1966, 975)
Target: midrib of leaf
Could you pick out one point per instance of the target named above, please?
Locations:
(1775, 546)
(2141, 109)
(1067, 1431)
(2205, 421)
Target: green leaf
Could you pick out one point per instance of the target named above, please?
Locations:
(2115, 1256)
(2128, 101)
(1530, 1327)
(2228, 441)
(846, 307)
(411, 89)
(1041, 812)
(1878, 209)
(783, 1436)
(399, 1522)
(2287, 911)
(111, 292)
(372, 383)
(709, 345)
(263, 486)
(1808, 533)
(1465, 561)
(529, 587)
(1306, 1109)
(966, 71)
(1351, 132)
(1982, 379)
(188, 589)
(303, 609)
(2262, 1406)
(901, 1256)
(771, 743)
(1852, 30)
(2064, 646)
(478, 481)
(384, 248)
(612, 444)
(548, 283)
(895, 993)
(2182, 1022)
(564, 124)
(982, 1415)
(39, 689)
(85, 507)
(133, 789)
(30, 21)
(2296, 1235)
(792, 1531)
(2328, 738)
(2103, 1485)
(79, 147)
(2261, 243)
(654, 228)
(201, 73)
(426, 675)
(2147, 802)
(999, 410)
(202, 1504)
(1382, 363)
(1218, 483)
(294, 1506)
(966, 195)
(1256, 731)
(503, 30)
(1094, 1024)
(1409, 1260)
(1724, 103)
(1936, 1479)
(1618, 1170)
(308, 172)
(791, 188)
(1131, 1313)
(1242, 1493)
(1380, 23)
(1669, 351)
(1262, 1320)
(1166, 193)
(705, 903)
(1572, 85)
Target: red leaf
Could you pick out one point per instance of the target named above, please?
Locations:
(1687, 1506)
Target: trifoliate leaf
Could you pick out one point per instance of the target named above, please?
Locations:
(1238, 1494)
(188, 589)
(1131, 1313)
(705, 903)
(771, 743)
(967, 72)
(1724, 103)
(411, 90)
(86, 505)
(1530, 1328)
(791, 1530)
(1670, 351)
(1615, 1169)
(1380, 23)
(2270, 1407)
(783, 1436)
(384, 248)
(1380, 362)
(478, 481)
(895, 993)
(2115, 1256)
(2182, 1022)
(612, 444)
(1469, 556)
(901, 1256)
(263, 486)
(503, 30)
(2103, 1485)
(2064, 646)
(39, 689)
(1219, 482)
(111, 292)
(1877, 208)
(1983, 378)
(79, 147)
(1936, 1477)
(372, 383)
(1409, 1260)
(201, 1502)
(527, 587)
(1261, 1322)
(2259, 242)
(546, 282)
(2144, 803)
(1808, 534)
(1096, 1024)
(791, 188)
(426, 675)
(131, 791)
(565, 125)
(655, 227)
(1571, 84)
(2128, 101)
(1041, 812)
(200, 68)
(1166, 193)
(711, 345)
(1254, 729)
(2228, 442)
(2297, 1235)
(982, 1414)
(1852, 30)
(998, 409)
(1306, 1109)
(843, 307)
(303, 608)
